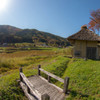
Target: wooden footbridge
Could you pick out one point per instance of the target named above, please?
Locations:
(38, 88)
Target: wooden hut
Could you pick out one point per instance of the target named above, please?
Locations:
(85, 44)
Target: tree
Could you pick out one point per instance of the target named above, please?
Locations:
(94, 23)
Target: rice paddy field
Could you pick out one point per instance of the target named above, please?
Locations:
(84, 75)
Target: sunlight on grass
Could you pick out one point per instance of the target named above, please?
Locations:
(84, 75)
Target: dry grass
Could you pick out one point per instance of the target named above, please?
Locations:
(27, 53)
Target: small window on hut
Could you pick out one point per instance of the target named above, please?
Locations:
(77, 53)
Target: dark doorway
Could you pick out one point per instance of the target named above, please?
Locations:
(91, 52)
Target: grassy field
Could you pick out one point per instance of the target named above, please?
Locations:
(84, 75)
(84, 79)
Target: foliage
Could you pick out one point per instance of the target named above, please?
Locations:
(94, 23)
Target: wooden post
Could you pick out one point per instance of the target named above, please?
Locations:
(28, 89)
(45, 97)
(49, 78)
(20, 70)
(39, 73)
(66, 83)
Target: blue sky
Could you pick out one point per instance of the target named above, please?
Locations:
(59, 17)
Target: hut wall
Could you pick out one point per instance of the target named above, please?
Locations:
(92, 44)
(80, 48)
(83, 49)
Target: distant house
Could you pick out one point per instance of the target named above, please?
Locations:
(86, 44)
(5, 44)
(44, 45)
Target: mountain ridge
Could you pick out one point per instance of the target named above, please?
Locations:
(11, 34)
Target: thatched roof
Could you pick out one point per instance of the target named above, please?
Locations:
(84, 34)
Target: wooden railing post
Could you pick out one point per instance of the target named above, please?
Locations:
(66, 83)
(39, 73)
(49, 78)
(28, 89)
(21, 70)
(45, 97)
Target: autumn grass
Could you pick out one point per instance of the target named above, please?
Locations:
(15, 60)
(9, 88)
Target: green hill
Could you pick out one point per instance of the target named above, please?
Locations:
(10, 34)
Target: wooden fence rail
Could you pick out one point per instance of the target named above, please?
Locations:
(65, 81)
(30, 88)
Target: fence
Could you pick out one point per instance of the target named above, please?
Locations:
(33, 91)
(30, 88)
(65, 81)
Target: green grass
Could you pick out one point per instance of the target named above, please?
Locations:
(84, 75)
(57, 66)
(9, 88)
(84, 79)
(9, 70)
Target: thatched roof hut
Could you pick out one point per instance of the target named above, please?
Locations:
(85, 44)
(84, 34)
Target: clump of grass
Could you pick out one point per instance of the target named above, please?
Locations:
(5, 63)
(58, 66)
(9, 87)
(12, 92)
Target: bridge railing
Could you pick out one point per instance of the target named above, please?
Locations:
(65, 81)
(30, 88)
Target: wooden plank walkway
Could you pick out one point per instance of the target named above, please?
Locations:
(44, 87)
(28, 95)
(38, 88)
